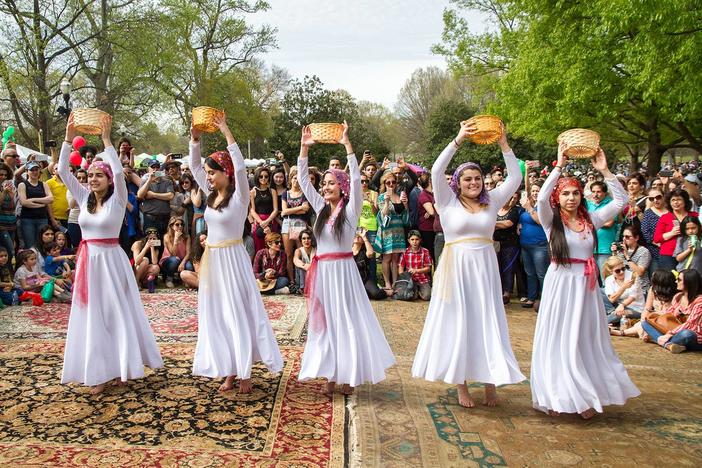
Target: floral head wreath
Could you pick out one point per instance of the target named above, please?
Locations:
(564, 182)
(483, 198)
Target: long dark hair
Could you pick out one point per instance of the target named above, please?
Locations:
(197, 250)
(39, 243)
(213, 194)
(663, 285)
(323, 216)
(683, 224)
(692, 282)
(92, 198)
(560, 253)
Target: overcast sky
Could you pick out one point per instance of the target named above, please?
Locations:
(367, 47)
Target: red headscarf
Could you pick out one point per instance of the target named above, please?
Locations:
(225, 161)
(583, 215)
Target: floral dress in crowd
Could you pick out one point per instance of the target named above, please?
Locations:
(391, 227)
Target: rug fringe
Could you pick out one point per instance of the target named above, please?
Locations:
(353, 443)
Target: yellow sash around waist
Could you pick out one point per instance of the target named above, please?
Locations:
(204, 267)
(445, 272)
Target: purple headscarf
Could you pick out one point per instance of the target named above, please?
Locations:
(342, 178)
(483, 198)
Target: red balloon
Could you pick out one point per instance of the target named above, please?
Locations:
(78, 142)
(75, 159)
(554, 163)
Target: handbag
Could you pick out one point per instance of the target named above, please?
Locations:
(665, 322)
(295, 228)
(47, 292)
(404, 288)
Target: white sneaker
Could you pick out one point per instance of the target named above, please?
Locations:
(169, 284)
(285, 290)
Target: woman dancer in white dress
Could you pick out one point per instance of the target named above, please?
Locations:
(574, 368)
(109, 337)
(233, 327)
(465, 334)
(345, 343)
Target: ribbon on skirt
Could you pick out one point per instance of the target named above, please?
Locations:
(204, 261)
(80, 291)
(445, 271)
(316, 310)
(591, 271)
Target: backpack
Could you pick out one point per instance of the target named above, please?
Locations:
(404, 288)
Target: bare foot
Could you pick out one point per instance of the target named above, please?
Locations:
(645, 338)
(245, 386)
(347, 389)
(328, 389)
(228, 384)
(490, 396)
(553, 413)
(587, 414)
(96, 390)
(464, 398)
(119, 382)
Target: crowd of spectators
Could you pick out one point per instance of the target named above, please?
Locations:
(399, 237)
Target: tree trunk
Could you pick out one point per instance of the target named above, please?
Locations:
(655, 150)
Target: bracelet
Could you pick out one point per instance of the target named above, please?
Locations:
(559, 167)
(456, 143)
(69, 142)
(350, 154)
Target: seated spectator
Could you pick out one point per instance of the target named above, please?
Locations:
(45, 236)
(637, 258)
(688, 303)
(362, 251)
(270, 266)
(56, 265)
(176, 252)
(62, 241)
(303, 258)
(192, 278)
(30, 278)
(687, 251)
(417, 261)
(145, 256)
(660, 297)
(10, 294)
(624, 297)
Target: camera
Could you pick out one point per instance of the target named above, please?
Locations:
(50, 144)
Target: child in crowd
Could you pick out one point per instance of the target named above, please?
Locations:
(56, 265)
(192, 278)
(688, 252)
(303, 258)
(9, 294)
(417, 261)
(62, 241)
(29, 276)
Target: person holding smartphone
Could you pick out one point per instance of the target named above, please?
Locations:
(155, 195)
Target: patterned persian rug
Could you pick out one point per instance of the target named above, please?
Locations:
(405, 422)
(169, 417)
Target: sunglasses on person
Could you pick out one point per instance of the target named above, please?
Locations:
(655, 198)
(618, 270)
(364, 181)
(627, 236)
(390, 182)
(263, 177)
(275, 242)
(177, 224)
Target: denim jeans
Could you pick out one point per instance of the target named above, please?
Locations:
(170, 266)
(536, 260)
(7, 240)
(74, 234)
(280, 283)
(612, 317)
(300, 275)
(9, 297)
(687, 338)
(667, 262)
(29, 229)
(438, 247)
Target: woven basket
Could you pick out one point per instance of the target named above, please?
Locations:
(326, 132)
(88, 121)
(580, 143)
(204, 117)
(489, 129)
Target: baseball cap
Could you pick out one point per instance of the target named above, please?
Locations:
(692, 178)
(31, 165)
(154, 162)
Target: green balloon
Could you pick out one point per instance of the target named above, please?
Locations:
(522, 167)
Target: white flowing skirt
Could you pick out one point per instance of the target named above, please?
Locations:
(465, 334)
(352, 349)
(110, 337)
(574, 366)
(233, 326)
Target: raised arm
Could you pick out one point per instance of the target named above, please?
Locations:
(303, 176)
(111, 157)
(543, 201)
(443, 195)
(196, 161)
(353, 209)
(619, 197)
(79, 193)
(500, 195)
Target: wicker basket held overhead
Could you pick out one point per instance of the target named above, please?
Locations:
(580, 143)
(204, 117)
(88, 121)
(326, 132)
(489, 129)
